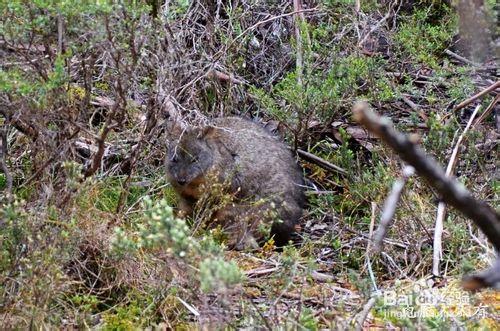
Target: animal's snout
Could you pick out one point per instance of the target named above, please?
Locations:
(181, 181)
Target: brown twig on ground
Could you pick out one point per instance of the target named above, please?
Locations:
(441, 210)
(487, 90)
(321, 162)
(461, 58)
(452, 192)
(390, 207)
(260, 271)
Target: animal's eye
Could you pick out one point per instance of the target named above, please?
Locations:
(174, 158)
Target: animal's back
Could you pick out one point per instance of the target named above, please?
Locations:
(266, 170)
(258, 166)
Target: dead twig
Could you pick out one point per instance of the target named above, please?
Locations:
(321, 162)
(487, 90)
(389, 208)
(441, 210)
(259, 272)
(378, 25)
(97, 159)
(487, 111)
(368, 247)
(364, 313)
(453, 193)
(461, 58)
(256, 25)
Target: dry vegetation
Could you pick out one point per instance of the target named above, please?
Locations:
(87, 234)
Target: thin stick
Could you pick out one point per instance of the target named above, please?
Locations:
(60, 34)
(320, 162)
(441, 210)
(256, 25)
(390, 207)
(453, 193)
(487, 111)
(478, 95)
(368, 247)
(461, 58)
(364, 314)
(376, 26)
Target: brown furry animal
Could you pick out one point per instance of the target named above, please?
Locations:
(257, 169)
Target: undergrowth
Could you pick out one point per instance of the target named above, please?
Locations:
(98, 245)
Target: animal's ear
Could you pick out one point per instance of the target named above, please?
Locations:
(208, 132)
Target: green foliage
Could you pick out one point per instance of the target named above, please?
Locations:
(160, 228)
(325, 92)
(86, 302)
(438, 139)
(23, 85)
(136, 313)
(217, 274)
(307, 319)
(461, 86)
(108, 195)
(424, 40)
(3, 181)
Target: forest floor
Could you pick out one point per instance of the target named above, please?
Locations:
(88, 235)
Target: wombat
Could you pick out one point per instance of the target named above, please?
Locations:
(255, 167)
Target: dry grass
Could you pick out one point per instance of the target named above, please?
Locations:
(84, 92)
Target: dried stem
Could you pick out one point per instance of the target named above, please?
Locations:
(390, 207)
(441, 210)
(452, 192)
(321, 162)
(487, 90)
(487, 111)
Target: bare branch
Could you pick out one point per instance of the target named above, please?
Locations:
(461, 58)
(453, 193)
(487, 90)
(390, 207)
(364, 313)
(487, 111)
(321, 162)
